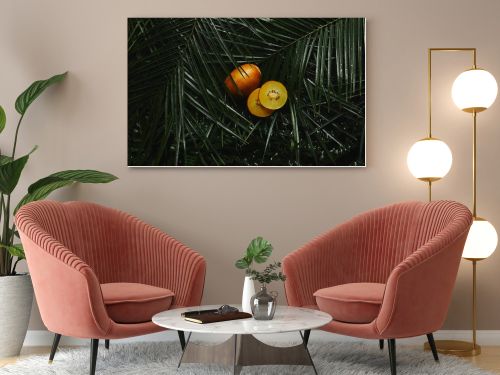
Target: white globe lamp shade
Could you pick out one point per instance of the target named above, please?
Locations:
(429, 159)
(481, 241)
(474, 90)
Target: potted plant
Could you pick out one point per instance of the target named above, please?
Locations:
(258, 251)
(16, 291)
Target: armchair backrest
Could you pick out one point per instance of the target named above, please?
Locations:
(92, 232)
(379, 241)
(368, 247)
(386, 236)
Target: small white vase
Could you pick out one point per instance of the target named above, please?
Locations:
(248, 292)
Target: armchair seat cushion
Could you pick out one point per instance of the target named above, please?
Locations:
(351, 303)
(133, 302)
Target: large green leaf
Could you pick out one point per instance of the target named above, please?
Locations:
(88, 176)
(242, 263)
(43, 187)
(259, 250)
(31, 93)
(3, 119)
(42, 193)
(10, 172)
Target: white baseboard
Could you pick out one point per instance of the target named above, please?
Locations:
(484, 337)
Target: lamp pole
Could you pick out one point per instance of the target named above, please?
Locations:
(429, 97)
(454, 347)
(475, 347)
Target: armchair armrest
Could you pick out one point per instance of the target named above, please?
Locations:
(419, 289)
(68, 292)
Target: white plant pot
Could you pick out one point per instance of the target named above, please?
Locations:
(248, 292)
(16, 298)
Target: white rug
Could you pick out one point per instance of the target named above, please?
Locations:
(161, 358)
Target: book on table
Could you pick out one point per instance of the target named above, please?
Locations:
(213, 316)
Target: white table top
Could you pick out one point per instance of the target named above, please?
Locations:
(286, 319)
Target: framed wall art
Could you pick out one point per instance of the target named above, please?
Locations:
(285, 92)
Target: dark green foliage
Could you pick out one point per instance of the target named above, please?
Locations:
(10, 172)
(269, 274)
(180, 113)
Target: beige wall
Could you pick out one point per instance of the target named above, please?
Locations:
(83, 124)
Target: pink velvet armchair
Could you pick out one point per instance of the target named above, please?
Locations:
(385, 274)
(99, 273)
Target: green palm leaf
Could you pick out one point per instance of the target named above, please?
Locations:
(180, 112)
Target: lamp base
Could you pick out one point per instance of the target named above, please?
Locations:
(456, 348)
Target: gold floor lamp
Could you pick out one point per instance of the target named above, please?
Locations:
(430, 159)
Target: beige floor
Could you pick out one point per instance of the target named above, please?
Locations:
(488, 360)
(26, 352)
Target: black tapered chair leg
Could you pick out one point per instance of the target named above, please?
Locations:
(94, 346)
(307, 333)
(432, 344)
(55, 344)
(106, 344)
(392, 355)
(381, 344)
(182, 339)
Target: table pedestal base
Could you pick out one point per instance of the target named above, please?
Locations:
(246, 350)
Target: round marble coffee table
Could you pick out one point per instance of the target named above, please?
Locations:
(242, 348)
